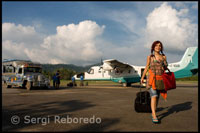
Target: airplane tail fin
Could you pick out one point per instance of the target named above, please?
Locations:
(188, 65)
(190, 57)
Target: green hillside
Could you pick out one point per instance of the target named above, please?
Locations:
(192, 78)
(52, 67)
(66, 70)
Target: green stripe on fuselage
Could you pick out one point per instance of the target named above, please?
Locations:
(108, 79)
(126, 79)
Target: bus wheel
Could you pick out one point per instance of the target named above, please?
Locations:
(24, 84)
(8, 86)
(29, 85)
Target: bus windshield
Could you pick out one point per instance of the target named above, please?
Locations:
(32, 69)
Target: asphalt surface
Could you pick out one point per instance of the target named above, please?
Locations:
(96, 108)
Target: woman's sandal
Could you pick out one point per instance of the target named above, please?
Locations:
(154, 120)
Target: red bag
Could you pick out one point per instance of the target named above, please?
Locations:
(169, 80)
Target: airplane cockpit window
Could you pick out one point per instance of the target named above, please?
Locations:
(88, 71)
(91, 71)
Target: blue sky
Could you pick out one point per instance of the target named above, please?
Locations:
(82, 33)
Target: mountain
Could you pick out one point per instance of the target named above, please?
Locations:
(78, 69)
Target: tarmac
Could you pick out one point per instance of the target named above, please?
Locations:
(100, 108)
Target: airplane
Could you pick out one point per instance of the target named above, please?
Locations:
(126, 74)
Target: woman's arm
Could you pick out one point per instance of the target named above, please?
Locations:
(145, 70)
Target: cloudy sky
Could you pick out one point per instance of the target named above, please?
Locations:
(83, 33)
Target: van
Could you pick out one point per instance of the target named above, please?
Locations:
(23, 73)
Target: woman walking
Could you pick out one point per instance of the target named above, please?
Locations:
(155, 66)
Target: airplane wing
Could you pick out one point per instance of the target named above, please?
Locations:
(113, 64)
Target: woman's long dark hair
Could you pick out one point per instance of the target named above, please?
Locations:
(153, 46)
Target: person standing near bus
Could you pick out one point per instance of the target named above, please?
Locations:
(58, 79)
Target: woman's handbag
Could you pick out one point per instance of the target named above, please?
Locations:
(169, 80)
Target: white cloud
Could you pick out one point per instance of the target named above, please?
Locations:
(82, 43)
(13, 50)
(15, 38)
(75, 43)
(170, 27)
(72, 43)
(20, 33)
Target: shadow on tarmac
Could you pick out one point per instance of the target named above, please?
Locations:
(40, 111)
(98, 127)
(43, 88)
(175, 109)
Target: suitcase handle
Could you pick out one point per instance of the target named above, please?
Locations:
(141, 95)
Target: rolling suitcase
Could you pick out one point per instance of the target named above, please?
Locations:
(143, 102)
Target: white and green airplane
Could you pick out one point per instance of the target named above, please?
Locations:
(113, 70)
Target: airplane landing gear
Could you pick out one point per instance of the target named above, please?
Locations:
(126, 84)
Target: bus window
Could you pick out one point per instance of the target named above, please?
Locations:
(8, 69)
(4, 69)
(32, 69)
(20, 71)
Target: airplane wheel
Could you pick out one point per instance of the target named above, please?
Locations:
(128, 84)
(124, 84)
(29, 85)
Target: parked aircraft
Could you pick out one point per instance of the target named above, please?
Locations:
(116, 71)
